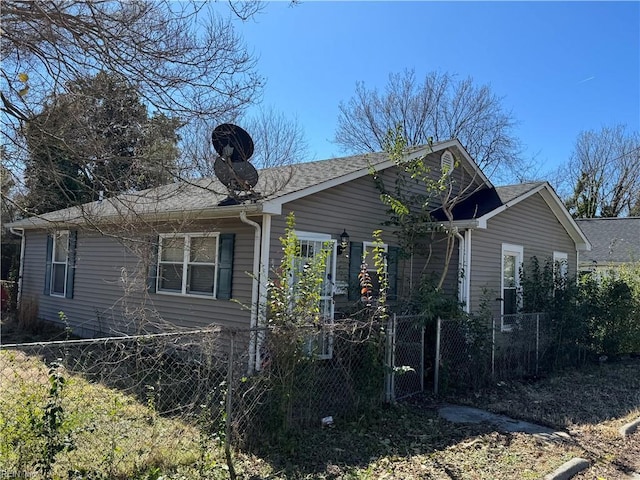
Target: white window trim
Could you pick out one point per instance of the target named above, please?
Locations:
(519, 251)
(368, 247)
(53, 263)
(563, 258)
(186, 262)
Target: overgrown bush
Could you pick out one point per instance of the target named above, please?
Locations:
(611, 307)
(304, 382)
(598, 314)
(27, 317)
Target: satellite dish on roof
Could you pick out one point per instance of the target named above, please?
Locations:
(232, 167)
(232, 143)
(238, 176)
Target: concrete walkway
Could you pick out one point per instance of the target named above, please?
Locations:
(462, 414)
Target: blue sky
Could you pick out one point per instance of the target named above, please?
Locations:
(562, 67)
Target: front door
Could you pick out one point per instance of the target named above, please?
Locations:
(310, 246)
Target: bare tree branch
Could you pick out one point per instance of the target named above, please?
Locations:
(603, 173)
(439, 108)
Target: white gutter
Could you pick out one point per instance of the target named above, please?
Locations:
(79, 217)
(467, 271)
(262, 288)
(255, 288)
(21, 268)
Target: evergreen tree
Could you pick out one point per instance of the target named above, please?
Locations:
(96, 137)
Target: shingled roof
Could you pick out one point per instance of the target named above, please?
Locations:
(207, 197)
(203, 196)
(485, 200)
(613, 240)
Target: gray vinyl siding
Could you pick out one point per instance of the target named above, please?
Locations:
(356, 207)
(104, 303)
(433, 250)
(530, 224)
(110, 294)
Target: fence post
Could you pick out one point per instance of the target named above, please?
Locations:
(436, 368)
(493, 348)
(228, 420)
(537, 340)
(388, 380)
(422, 359)
(392, 359)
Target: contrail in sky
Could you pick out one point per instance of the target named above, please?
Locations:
(586, 79)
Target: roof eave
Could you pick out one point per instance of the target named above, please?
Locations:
(231, 211)
(274, 206)
(460, 224)
(565, 219)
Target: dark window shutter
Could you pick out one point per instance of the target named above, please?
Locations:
(154, 244)
(71, 263)
(355, 260)
(392, 272)
(225, 266)
(47, 275)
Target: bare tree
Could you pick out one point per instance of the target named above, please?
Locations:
(603, 173)
(184, 59)
(183, 56)
(278, 140)
(439, 108)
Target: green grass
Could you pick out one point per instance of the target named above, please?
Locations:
(117, 436)
(112, 435)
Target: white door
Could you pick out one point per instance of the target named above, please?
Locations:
(310, 246)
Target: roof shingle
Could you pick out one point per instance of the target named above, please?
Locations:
(613, 240)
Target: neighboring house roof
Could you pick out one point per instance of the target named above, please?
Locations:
(613, 240)
(277, 186)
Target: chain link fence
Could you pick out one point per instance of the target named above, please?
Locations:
(471, 353)
(133, 396)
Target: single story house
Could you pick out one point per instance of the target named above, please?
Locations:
(615, 242)
(184, 255)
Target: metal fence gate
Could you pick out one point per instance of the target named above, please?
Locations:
(404, 357)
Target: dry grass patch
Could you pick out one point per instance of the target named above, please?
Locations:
(593, 395)
(412, 442)
(110, 434)
(591, 404)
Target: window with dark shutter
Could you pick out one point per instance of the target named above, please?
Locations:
(193, 264)
(225, 266)
(363, 252)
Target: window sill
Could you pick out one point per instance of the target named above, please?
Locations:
(189, 295)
